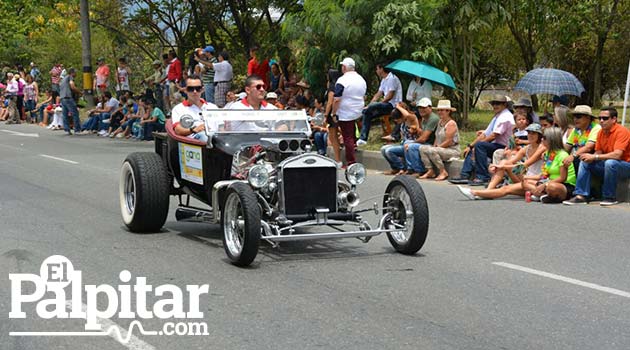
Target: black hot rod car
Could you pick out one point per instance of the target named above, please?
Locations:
(261, 181)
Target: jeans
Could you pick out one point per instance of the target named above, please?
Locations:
(611, 170)
(394, 154)
(321, 141)
(209, 92)
(372, 111)
(91, 123)
(69, 108)
(29, 106)
(412, 155)
(482, 150)
(149, 128)
(104, 121)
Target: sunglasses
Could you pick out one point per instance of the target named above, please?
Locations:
(603, 118)
(194, 88)
(259, 86)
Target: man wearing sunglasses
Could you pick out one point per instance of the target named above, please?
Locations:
(611, 161)
(255, 90)
(193, 106)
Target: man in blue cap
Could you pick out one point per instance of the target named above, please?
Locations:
(207, 76)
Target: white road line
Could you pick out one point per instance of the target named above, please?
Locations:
(16, 133)
(60, 159)
(598, 287)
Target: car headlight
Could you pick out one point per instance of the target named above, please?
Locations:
(258, 176)
(355, 174)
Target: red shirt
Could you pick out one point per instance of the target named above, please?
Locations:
(174, 70)
(617, 138)
(261, 69)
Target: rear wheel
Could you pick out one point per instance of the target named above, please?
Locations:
(240, 220)
(143, 192)
(409, 214)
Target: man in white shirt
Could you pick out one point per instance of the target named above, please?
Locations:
(349, 94)
(255, 100)
(193, 106)
(223, 75)
(391, 92)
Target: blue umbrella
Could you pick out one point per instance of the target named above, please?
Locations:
(422, 70)
(550, 81)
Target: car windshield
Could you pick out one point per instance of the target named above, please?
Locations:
(260, 122)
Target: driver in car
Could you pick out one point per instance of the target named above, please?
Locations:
(193, 106)
(255, 100)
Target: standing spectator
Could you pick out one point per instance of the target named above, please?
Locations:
(55, 76)
(68, 105)
(349, 94)
(21, 84)
(391, 92)
(445, 146)
(101, 80)
(418, 88)
(611, 161)
(260, 68)
(333, 123)
(31, 91)
(123, 73)
(277, 78)
(153, 81)
(173, 76)
(11, 92)
(496, 136)
(222, 78)
(35, 73)
(208, 72)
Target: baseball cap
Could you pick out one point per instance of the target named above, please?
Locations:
(424, 102)
(348, 62)
(534, 127)
(271, 95)
(209, 49)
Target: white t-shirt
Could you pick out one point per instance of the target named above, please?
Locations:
(186, 108)
(244, 104)
(113, 103)
(391, 83)
(222, 71)
(123, 79)
(353, 97)
(416, 91)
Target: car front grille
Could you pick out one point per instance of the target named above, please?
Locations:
(308, 188)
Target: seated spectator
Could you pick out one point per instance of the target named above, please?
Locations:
(41, 107)
(155, 121)
(557, 180)
(390, 91)
(57, 122)
(272, 98)
(425, 136)
(524, 105)
(131, 114)
(584, 135)
(518, 139)
(318, 126)
(611, 161)
(496, 136)
(546, 121)
(526, 163)
(99, 120)
(561, 120)
(445, 146)
(395, 154)
(117, 116)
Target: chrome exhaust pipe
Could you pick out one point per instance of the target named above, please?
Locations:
(192, 215)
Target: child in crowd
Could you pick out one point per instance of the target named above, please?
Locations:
(522, 122)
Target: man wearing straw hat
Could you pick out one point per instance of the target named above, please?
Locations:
(496, 136)
(611, 161)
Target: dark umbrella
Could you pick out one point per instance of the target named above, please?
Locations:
(422, 70)
(550, 81)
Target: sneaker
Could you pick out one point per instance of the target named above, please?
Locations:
(102, 133)
(361, 143)
(535, 198)
(459, 181)
(112, 135)
(546, 199)
(467, 192)
(120, 136)
(575, 200)
(86, 132)
(608, 202)
(478, 182)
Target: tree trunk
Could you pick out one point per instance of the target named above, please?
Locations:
(86, 53)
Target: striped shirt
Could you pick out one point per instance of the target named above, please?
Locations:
(55, 74)
(208, 73)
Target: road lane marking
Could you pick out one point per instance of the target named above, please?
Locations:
(110, 328)
(598, 287)
(16, 133)
(60, 159)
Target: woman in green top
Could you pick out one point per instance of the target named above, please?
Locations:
(557, 180)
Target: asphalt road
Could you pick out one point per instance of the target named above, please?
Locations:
(500, 274)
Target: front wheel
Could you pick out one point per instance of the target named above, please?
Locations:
(240, 220)
(409, 214)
